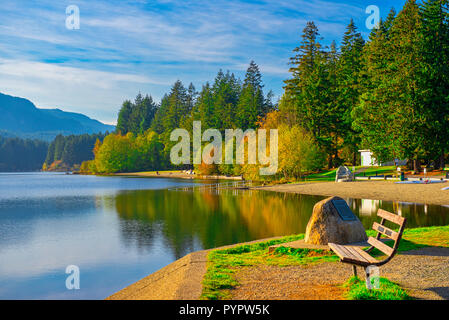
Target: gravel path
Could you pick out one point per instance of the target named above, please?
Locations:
(424, 273)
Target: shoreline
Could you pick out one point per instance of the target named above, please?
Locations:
(373, 190)
(430, 194)
(176, 175)
(179, 280)
(183, 278)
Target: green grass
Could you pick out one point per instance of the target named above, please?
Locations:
(304, 256)
(322, 176)
(222, 265)
(428, 236)
(387, 290)
(417, 238)
(329, 175)
(372, 171)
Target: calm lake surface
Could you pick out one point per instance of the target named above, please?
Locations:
(118, 230)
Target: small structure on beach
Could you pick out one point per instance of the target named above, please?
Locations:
(344, 175)
(367, 159)
(333, 221)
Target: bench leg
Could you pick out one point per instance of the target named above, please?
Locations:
(354, 270)
(372, 272)
(369, 285)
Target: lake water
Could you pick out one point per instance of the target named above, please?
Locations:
(118, 230)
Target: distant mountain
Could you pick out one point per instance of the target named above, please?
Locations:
(20, 117)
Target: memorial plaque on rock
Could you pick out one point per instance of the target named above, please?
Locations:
(333, 221)
(343, 210)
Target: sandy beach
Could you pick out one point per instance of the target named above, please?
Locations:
(374, 190)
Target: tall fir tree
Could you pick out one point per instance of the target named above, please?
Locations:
(405, 90)
(435, 76)
(177, 107)
(251, 104)
(158, 122)
(123, 117)
(312, 90)
(373, 117)
(204, 108)
(226, 92)
(304, 61)
(349, 88)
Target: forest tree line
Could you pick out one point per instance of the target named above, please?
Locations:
(388, 94)
(68, 152)
(18, 154)
(142, 139)
(64, 153)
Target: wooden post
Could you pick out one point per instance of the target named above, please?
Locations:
(354, 270)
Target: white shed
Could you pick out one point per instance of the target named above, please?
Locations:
(367, 159)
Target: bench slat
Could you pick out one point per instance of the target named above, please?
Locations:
(385, 231)
(391, 217)
(356, 254)
(381, 246)
(341, 252)
(348, 253)
(352, 254)
(364, 255)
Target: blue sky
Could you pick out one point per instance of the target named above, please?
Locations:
(123, 47)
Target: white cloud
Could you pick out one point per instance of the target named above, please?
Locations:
(127, 46)
(95, 93)
(69, 75)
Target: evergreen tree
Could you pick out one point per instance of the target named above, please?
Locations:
(435, 76)
(177, 107)
(204, 109)
(349, 88)
(391, 114)
(192, 95)
(158, 123)
(21, 154)
(59, 147)
(147, 110)
(312, 90)
(269, 106)
(251, 104)
(373, 117)
(75, 150)
(405, 91)
(136, 116)
(304, 61)
(226, 92)
(123, 117)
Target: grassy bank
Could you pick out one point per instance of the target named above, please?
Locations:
(329, 175)
(388, 290)
(219, 277)
(223, 264)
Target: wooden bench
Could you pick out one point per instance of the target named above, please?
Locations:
(356, 256)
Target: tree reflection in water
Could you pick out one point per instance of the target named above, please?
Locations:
(189, 221)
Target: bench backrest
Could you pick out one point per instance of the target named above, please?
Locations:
(382, 230)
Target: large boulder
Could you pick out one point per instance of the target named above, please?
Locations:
(328, 225)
